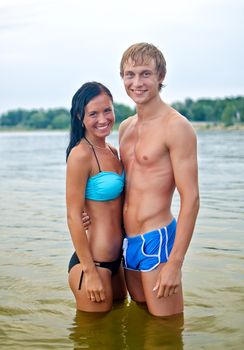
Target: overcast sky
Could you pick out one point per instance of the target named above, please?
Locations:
(50, 47)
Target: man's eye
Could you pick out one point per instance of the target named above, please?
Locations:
(146, 74)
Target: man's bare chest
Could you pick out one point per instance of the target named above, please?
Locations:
(142, 148)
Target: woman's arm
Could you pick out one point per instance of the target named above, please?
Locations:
(78, 169)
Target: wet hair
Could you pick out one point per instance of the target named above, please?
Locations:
(81, 98)
(143, 53)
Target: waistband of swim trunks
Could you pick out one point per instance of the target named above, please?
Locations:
(169, 228)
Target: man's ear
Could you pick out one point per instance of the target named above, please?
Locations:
(161, 78)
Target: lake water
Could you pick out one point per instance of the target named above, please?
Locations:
(37, 309)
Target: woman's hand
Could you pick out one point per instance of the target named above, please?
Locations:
(94, 287)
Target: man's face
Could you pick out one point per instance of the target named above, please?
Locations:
(141, 81)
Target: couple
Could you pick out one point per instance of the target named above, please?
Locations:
(157, 154)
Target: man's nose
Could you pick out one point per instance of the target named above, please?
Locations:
(137, 80)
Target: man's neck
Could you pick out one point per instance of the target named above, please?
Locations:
(151, 109)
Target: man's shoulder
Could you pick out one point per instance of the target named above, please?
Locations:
(179, 127)
(125, 123)
(177, 120)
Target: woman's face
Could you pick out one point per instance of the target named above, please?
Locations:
(99, 117)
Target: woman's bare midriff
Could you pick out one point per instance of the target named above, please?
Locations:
(105, 231)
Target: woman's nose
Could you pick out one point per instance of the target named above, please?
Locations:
(101, 118)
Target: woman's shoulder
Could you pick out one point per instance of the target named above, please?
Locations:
(80, 154)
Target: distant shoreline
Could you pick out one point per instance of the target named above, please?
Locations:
(203, 126)
(217, 126)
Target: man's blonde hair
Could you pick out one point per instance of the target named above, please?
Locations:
(143, 53)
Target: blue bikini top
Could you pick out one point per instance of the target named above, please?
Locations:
(105, 185)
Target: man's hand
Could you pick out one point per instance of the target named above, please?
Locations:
(168, 281)
(86, 220)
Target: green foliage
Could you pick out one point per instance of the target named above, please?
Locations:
(37, 120)
(228, 111)
(58, 118)
(228, 116)
(122, 112)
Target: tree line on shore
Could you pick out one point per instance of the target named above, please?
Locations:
(228, 111)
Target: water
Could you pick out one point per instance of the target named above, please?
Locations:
(37, 309)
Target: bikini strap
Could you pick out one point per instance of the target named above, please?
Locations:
(114, 153)
(94, 153)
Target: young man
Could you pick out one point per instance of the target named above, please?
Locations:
(158, 151)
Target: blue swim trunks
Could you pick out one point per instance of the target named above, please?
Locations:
(145, 252)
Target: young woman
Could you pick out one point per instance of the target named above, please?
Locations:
(94, 183)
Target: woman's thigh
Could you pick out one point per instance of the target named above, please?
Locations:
(118, 285)
(82, 301)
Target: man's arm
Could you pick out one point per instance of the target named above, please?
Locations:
(182, 145)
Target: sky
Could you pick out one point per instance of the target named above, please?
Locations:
(49, 48)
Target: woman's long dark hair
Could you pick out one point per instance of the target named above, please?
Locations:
(79, 101)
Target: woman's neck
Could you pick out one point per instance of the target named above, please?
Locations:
(95, 143)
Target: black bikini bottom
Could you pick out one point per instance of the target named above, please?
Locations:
(113, 266)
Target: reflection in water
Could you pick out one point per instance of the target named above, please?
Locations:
(99, 331)
(129, 326)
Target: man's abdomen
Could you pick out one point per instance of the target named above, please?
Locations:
(146, 210)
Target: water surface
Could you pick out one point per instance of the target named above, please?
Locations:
(37, 309)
